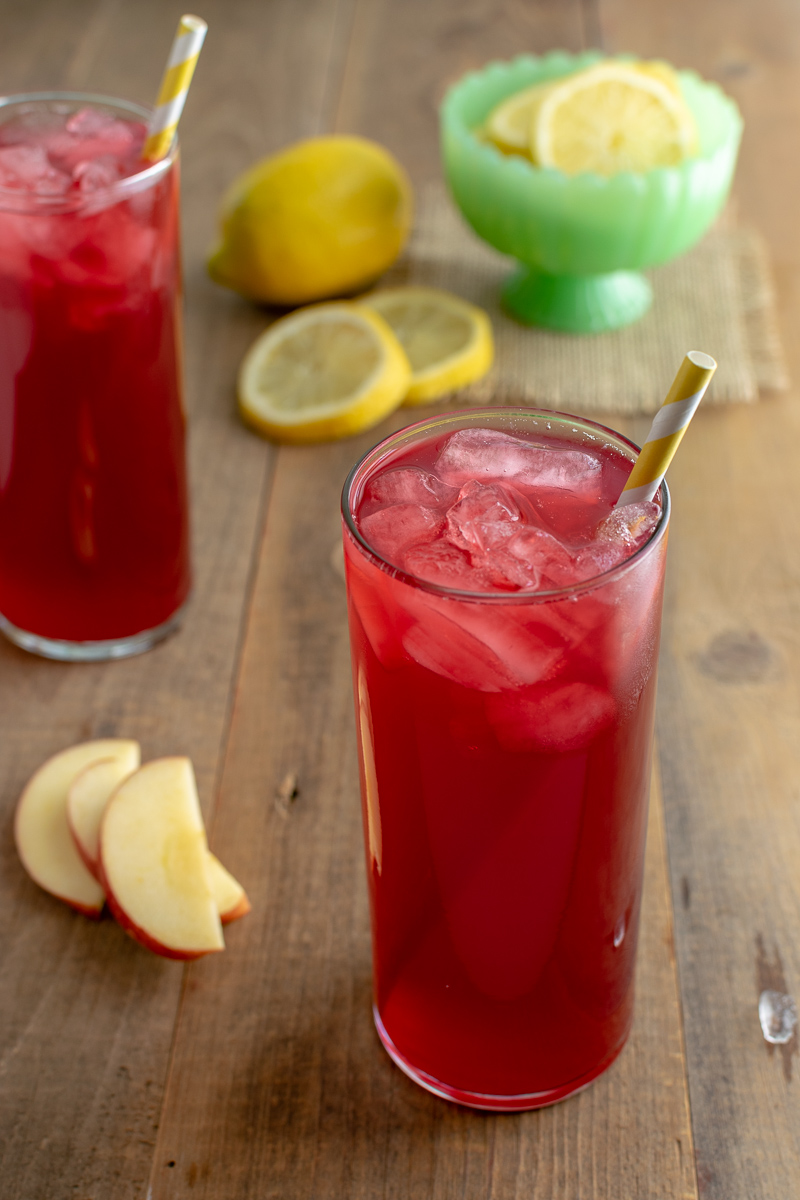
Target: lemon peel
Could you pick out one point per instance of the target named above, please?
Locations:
(322, 218)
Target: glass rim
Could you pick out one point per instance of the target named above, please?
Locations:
(27, 203)
(381, 450)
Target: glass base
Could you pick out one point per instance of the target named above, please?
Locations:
(521, 1103)
(577, 303)
(100, 651)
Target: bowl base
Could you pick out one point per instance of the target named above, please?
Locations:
(577, 303)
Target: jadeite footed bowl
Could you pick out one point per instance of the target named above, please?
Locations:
(582, 240)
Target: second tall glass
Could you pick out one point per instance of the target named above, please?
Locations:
(94, 536)
(505, 745)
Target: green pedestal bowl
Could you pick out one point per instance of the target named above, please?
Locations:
(582, 240)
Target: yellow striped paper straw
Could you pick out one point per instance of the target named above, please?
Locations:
(669, 426)
(174, 86)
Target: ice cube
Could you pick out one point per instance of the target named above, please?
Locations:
(489, 454)
(499, 569)
(442, 563)
(629, 527)
(480, 646)
(551, 718)
(594, 560)
(578, 646)
(27, 168)
(529, 652)
(449, 650)
(407, 485)
(370, 593)
(143, 204)
(392, 530)
(545, 555)
(89, 134)
(89, 121)
(616, 538)
(98, 173)
(777, 1013)
(612, 629)
(486, 515)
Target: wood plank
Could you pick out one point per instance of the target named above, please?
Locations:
(729, 709)
(278, 1085)
(86, 1018)
(406, 53)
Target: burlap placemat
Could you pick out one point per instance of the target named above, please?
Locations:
(717, 298)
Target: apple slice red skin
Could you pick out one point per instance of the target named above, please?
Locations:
(120, 914)
(144, 938)
(94, 914)
(102, 747)
(91, 867)
(92, 864)
(221, 882)
(239, 910)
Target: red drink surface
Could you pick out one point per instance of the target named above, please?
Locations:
(505, 754)
(93, 508)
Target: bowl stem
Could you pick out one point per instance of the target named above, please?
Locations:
(577, 303)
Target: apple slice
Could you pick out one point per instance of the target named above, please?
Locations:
(86, 803)
(153, 855)
(229, 895)
(41, 831)
(87, 799)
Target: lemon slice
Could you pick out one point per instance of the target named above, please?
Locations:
(509, 125)
(659, 69)
(613, 117)
(322, 373)
(448, 341)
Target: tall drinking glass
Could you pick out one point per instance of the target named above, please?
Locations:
(504, 629)
(94, 539)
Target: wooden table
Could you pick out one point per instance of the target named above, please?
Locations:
(258, 1074)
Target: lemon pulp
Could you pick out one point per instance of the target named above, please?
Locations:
(447, 340)
(323, 372)
(509, 124)
(612, 118)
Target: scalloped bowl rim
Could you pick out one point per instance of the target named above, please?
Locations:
(520, 165)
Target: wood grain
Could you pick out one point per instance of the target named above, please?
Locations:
(729, 707)
(259, 1074)
(404, 55)
(279, 1086)
(86, 1018)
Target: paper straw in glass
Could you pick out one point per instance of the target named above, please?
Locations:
(669, 426)
(174, 87)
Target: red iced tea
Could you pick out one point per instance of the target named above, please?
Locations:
(94, 553)
(505, 627)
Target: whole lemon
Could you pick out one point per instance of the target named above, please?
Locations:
(321, 218)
